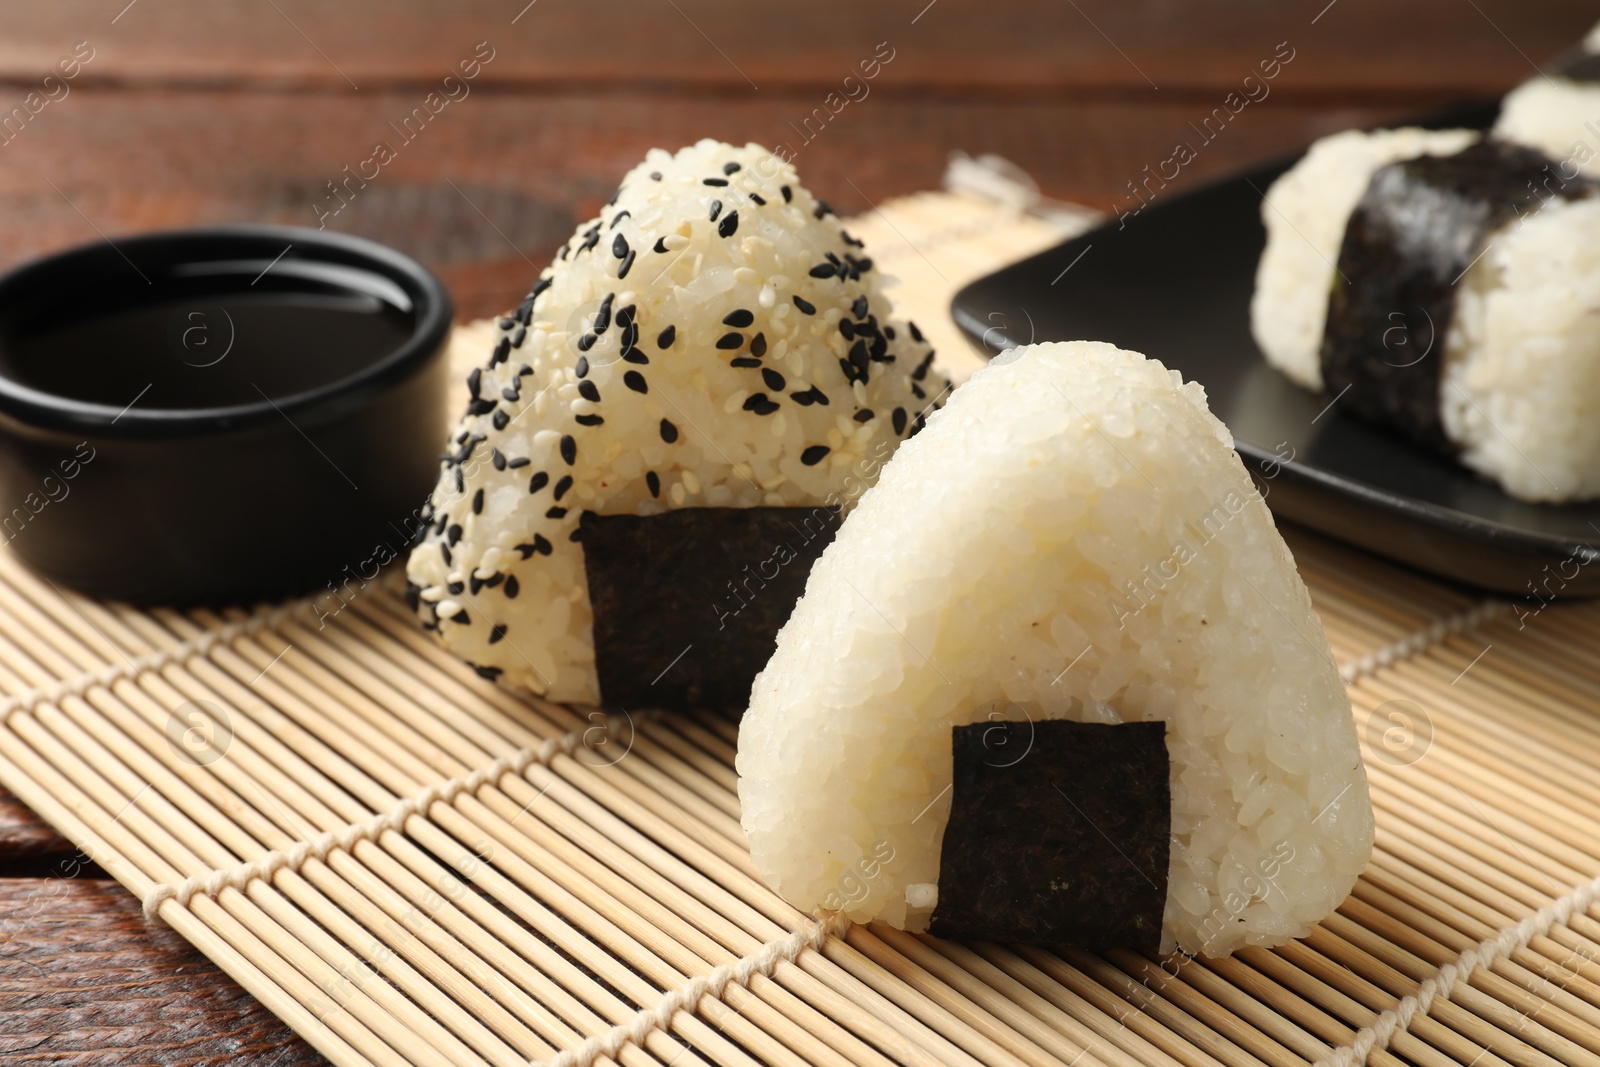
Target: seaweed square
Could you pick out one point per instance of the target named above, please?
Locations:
(1058, 834)
(688, 603)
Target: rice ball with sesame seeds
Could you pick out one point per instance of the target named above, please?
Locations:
(714, 338)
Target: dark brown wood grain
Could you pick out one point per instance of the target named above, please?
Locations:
(954, 47)
(193, 112)
(486, 191)
(85, 980)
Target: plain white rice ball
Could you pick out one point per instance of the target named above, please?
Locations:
(1072, 537)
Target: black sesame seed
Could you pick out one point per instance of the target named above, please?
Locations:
(716, 183)
(602, 318)
(474, 382)
(462, 617)
(633, 355)
(588, 420)
(756, 400)
(821, 209)
(824, 270)
(744, 361)
(506, 324)
(520, 336)
(501, 351)
(773, 379)
(660, 246)
(729, 341)
(444, 550)
(581, 368)
(916, 391)
(805, 306)
(526, 549)
(758, 345)
(739, 317)
(520, 461)
(716, 209)
(788, 194)
(497, 633)
(847, 329)
(453, 534)
(916, 334)
(524, 370)
(556, 513)
(513, 587)
(501, 420)
(456, 588)
(490, 673)
(538, 482)
(730, 168)
(655, 175)
(627, 265)
(461, 486)
(922, 368)
(814, 455)
(511, 394)
(541, 544)
(728, 226)
(665, 338)
(477, 502)
(669, 432)
(562, 486)
(619, 246)
(569, 449)
(758, 199)
(635, 381)
(865, 415)
(899, 419)
(653, 481)
(859, 308)
(586, 342)
(576, 535)
(589, 391)
(624, 213)
(474, 584)
(480, 406)
(590, 239)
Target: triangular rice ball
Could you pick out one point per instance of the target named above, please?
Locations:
(1072, 537)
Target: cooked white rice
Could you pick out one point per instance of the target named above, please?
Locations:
(1072, 537)
(1559, 117)
(724, 248)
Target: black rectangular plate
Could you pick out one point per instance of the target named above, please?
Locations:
(1175, 283)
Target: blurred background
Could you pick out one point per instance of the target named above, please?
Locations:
(198, 111)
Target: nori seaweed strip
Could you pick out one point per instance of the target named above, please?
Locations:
(1577, 66)
(1421, 223)
(688, 603)
(1058, 834)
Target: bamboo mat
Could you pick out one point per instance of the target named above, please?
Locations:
(410, 865)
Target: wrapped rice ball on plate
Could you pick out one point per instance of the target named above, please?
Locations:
(663, 436)
(1436, 283)
(1057, 681)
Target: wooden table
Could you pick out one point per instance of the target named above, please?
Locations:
(188, 113)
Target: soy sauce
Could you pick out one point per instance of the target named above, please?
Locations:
(217, 345)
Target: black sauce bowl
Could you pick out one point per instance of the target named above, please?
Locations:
(302, 462)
